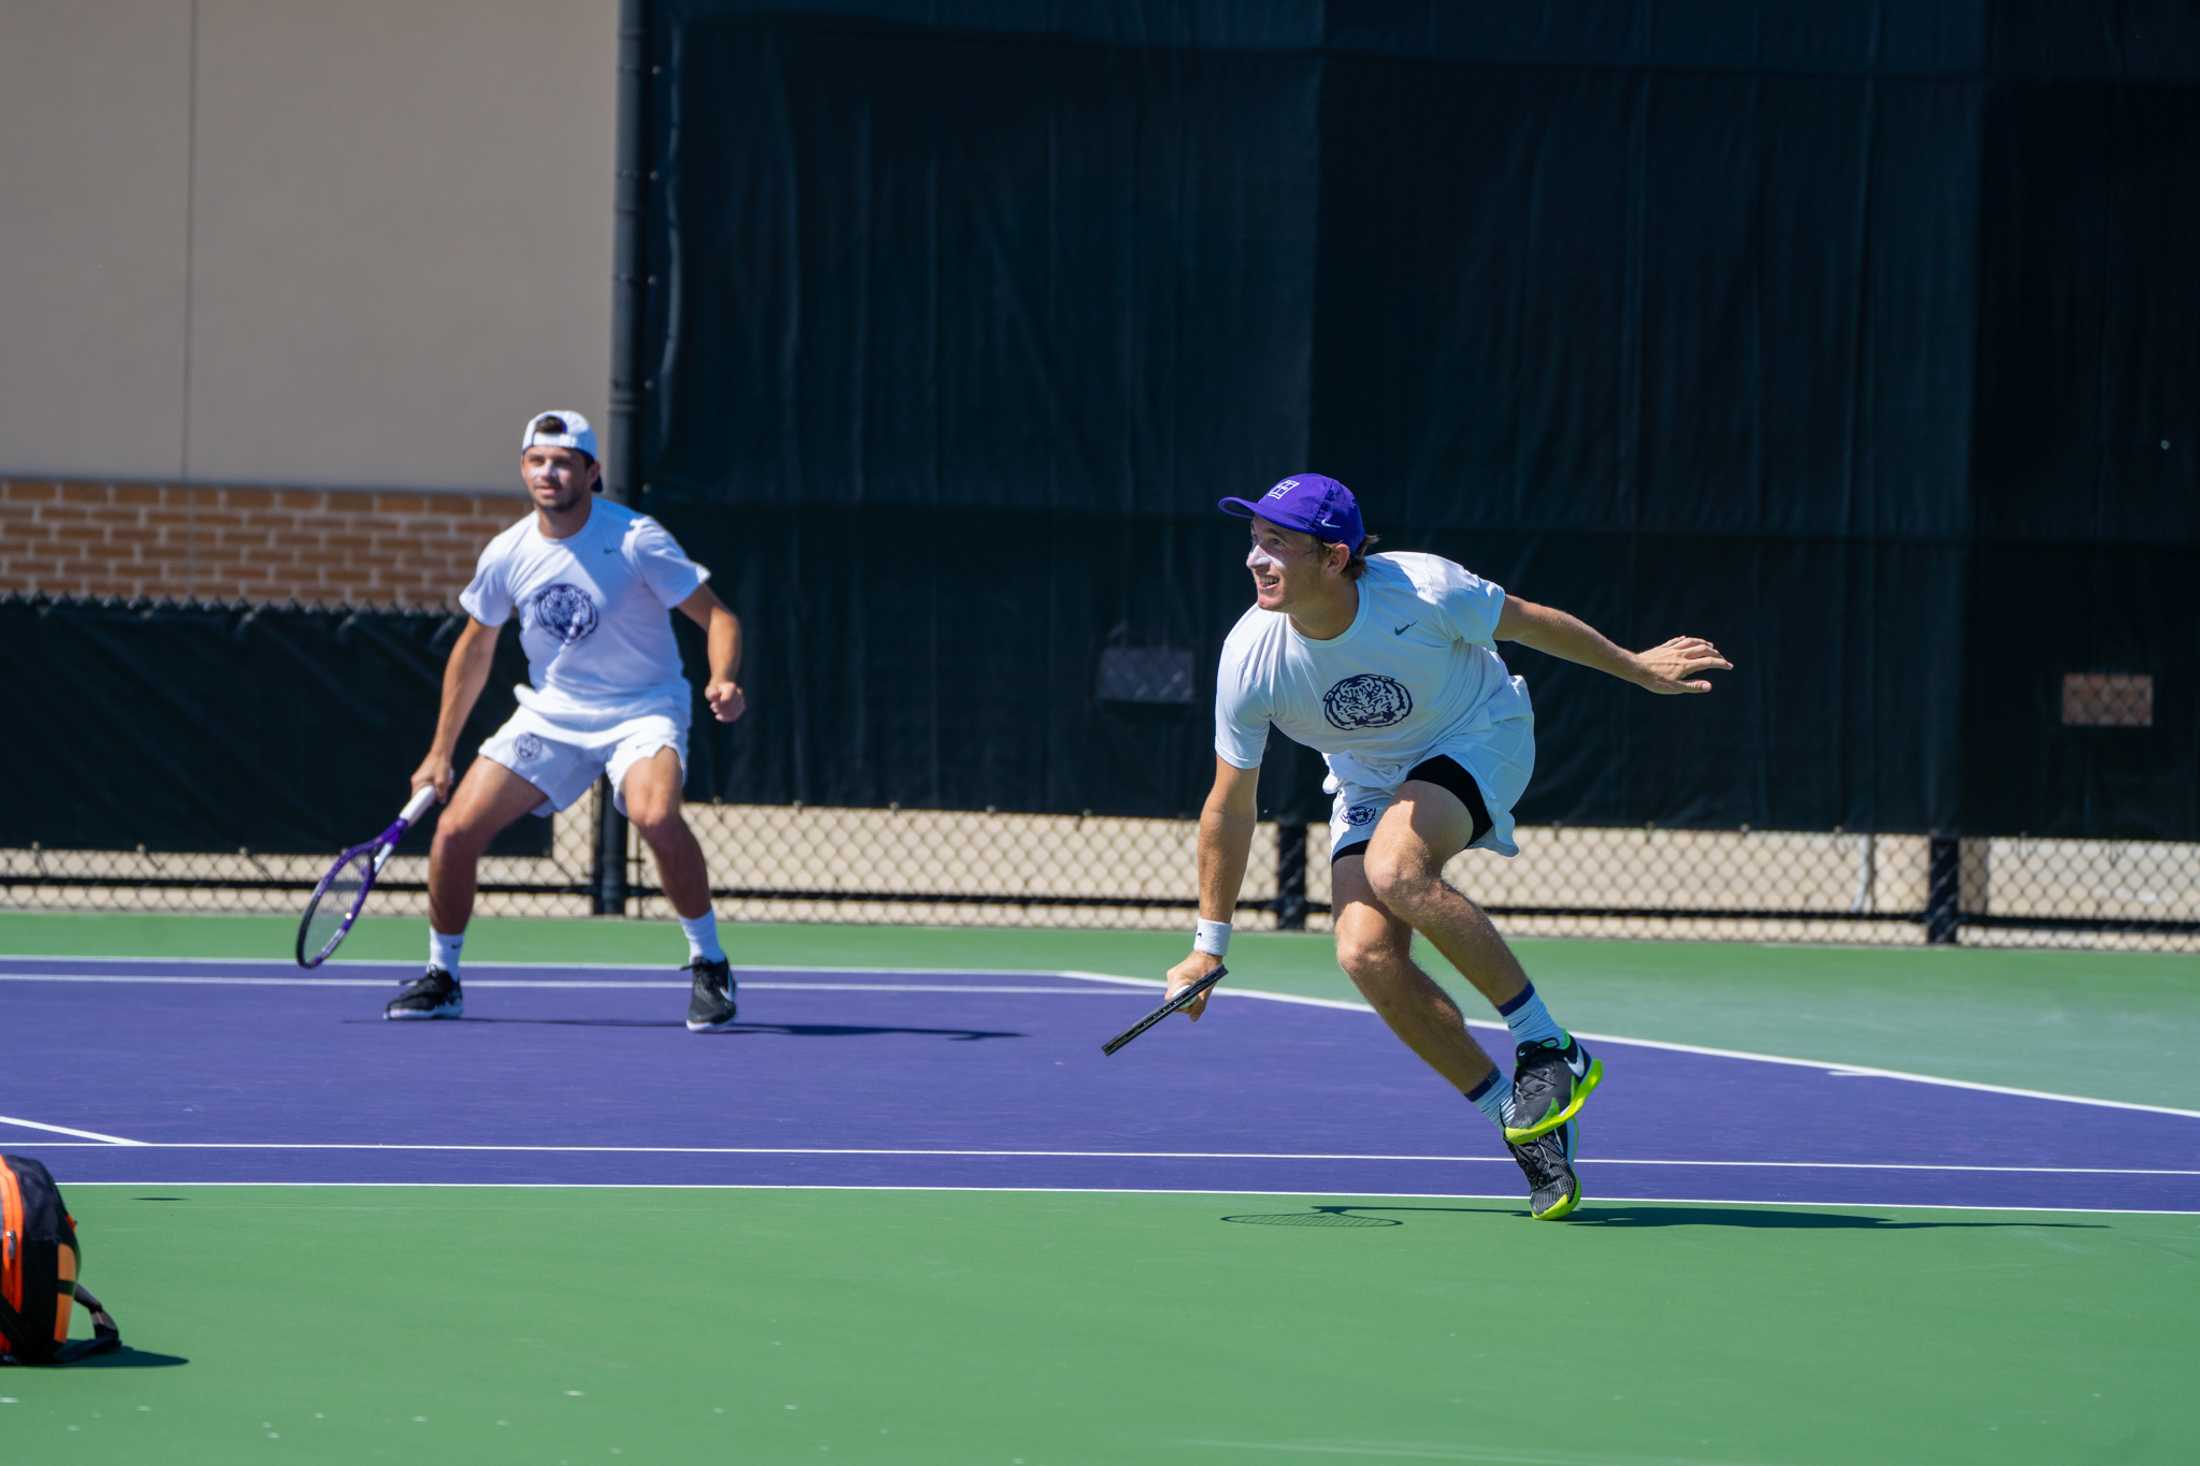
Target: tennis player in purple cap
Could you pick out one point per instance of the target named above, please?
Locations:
(1387, 665)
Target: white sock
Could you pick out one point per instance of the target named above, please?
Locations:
(1531, 1022)
(443, 950)
(1494, 1098)
(702, 935)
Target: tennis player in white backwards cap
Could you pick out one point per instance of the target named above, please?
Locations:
(591, 582)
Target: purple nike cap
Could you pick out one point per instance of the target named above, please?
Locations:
(1310, 503)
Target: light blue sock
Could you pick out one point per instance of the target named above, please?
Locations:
(702, 935)
(1494, 1098)
(443, 950)
(1531, 1022)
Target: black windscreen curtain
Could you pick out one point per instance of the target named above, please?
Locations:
(1784, 327)
(985, 272)
(280, 730)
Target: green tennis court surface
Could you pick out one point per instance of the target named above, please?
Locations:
(388, 1324)
(564, 1323)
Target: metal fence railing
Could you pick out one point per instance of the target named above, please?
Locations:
(802, 863)
(983, 867)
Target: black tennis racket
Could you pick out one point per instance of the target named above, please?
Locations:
(1184, 999)
(336, 901)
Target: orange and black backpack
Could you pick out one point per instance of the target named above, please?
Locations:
(39, 1258)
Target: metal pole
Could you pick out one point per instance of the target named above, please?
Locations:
(1291, 876)
(629, 306)
(1943, 889)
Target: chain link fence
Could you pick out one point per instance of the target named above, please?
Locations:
(155, 710)
(804, 863)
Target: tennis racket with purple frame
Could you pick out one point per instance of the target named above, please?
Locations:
(336, 902)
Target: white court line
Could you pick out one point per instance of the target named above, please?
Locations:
(494, 982)
(1598, 1162)
(1513, 1198)
(1848, 1071)
(1861, 1071)
(65, 1130)
(1843, 1071)
(399, 965)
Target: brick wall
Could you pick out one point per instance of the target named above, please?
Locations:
(193, 542)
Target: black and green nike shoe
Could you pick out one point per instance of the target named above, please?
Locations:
(1553, 1188)
(1549, 1085)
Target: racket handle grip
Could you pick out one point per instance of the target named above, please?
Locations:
(418, 805)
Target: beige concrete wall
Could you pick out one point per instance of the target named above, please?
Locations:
(95, 168)
(301, 242)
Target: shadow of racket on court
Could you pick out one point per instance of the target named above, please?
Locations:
(1632, 1215)
(1328, 1216)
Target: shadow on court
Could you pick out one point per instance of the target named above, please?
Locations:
(1594, 1215)
(127, 1357)
(786, 1030)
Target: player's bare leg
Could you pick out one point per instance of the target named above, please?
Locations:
(652, 790)
(1425, 826)
(1375, 949)
(487, 800)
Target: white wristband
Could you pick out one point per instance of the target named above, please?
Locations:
(1211, 937)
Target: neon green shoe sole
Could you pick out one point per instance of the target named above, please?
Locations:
(1562, 1209)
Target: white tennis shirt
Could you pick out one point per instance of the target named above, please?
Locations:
(1417, 668)
(592, 611)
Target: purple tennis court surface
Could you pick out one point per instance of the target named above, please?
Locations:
(204, 1071)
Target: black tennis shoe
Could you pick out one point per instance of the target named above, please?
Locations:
(433, 994)
(710, 1003)
(1553, 1188)
(1549, 1086)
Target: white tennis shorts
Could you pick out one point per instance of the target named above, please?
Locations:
(1500, 755)
(563, 761)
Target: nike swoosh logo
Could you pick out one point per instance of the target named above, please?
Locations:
(1402, 630)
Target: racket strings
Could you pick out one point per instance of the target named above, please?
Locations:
(335, 902)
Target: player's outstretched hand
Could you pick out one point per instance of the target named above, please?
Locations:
(726, 700)
(1673, 666)
(434, 769)
(1187, 972)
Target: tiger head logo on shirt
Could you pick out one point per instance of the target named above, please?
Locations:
(567, 612)
(1367, 701)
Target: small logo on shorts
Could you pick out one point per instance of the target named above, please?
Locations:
(1362, 814)
(527, 748)
(1367, 701)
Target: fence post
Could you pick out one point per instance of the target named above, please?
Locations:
(1291, 876)
(1943, 889)
(630, 288)
(609, 876)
